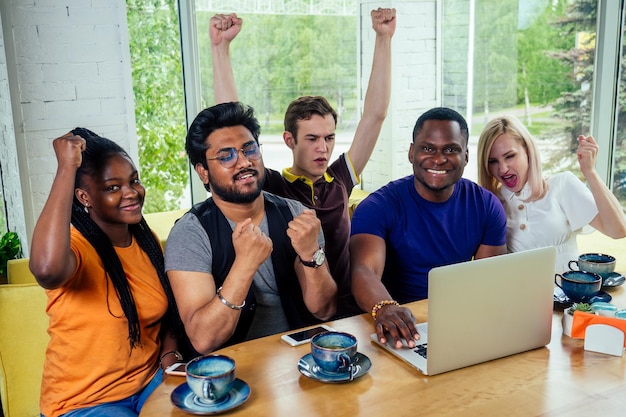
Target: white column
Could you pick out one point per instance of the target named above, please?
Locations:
(416, 82)
(68, 65)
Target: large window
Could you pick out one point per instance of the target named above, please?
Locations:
(286, 50)
(619, 160)
(159, 102)
(530, 59)
(534, 59)
(3, 212)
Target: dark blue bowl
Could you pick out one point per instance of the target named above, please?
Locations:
(579, 285)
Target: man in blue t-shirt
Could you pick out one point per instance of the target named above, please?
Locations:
(411, 225)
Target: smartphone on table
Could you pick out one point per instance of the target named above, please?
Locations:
(176, 369)
(301, 337)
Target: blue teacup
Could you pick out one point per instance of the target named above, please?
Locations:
(594, 262)
(211, 377)
(334, 351)
(579, 285)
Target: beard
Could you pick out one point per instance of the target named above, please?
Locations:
(234, 196)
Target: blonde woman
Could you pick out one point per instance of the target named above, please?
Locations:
(545, 211)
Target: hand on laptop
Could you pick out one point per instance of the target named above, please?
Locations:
(397, 323)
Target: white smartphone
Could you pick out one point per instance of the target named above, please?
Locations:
(176, 369)
(304, 336)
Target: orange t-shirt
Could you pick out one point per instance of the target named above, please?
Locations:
(88, 360)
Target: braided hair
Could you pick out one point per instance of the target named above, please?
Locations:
(98, 151)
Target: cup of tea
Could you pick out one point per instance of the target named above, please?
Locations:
(579, 285)
(334, 351)
(210, 377)
(594, 262)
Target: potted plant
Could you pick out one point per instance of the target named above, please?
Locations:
(10, 248)
(568, 316)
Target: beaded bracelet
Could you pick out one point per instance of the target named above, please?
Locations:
(228, 303)
(176, 353)
(380, 305)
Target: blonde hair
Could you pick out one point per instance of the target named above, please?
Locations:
(491, 132)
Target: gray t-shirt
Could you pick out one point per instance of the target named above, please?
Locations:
(188, 249)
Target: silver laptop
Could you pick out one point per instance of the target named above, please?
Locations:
(483, 310)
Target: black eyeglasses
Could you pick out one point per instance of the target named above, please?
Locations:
(228, 157)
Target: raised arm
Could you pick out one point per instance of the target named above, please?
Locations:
(51, 260)
(378, 91)
(222, 30)
(208, 321)
(367, 259)
(610, 219)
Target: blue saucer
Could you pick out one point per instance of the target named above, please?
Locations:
(308, 368)
(183, 398)
(599, 296)
(563, 301)
(612, 279)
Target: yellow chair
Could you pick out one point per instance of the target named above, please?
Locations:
(23, 341)
(161, 223)
(356, 196)
(18, 272)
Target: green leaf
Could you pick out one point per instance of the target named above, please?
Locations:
(10, 248)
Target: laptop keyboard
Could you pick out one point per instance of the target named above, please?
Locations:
(421, 350)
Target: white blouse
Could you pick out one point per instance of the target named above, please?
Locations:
(555, 220)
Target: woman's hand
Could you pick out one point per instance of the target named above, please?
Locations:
(587, 153)
(69, 150)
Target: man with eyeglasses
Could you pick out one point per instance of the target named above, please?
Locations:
(244, 263)
(310, 124)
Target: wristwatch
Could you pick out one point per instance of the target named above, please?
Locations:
(318, 259)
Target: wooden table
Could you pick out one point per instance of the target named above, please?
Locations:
(561, 379)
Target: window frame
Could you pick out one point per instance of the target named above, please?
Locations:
(606, 77)
(609, 28)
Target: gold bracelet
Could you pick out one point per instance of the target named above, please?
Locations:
(228, 303)
(380, 305)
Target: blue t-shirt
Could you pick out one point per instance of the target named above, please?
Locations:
(421, 235)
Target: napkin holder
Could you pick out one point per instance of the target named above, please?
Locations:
(603, 338)
(602, 334)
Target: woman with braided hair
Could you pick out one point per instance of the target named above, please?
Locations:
(113, 320)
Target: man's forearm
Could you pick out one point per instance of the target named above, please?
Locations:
(224, 88)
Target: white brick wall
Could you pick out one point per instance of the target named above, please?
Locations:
(11, 191)
(69, 66)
